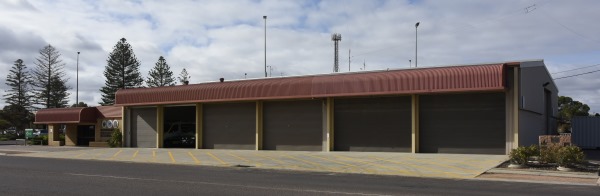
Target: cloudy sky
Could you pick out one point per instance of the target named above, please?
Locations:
(214, 39)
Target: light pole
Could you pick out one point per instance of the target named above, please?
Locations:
(409, 63)
(77, 90)
(416, 42)
(265, 18)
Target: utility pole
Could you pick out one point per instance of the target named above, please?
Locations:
(416, 42)
(265, 18)
(349, 59)
(77, 91)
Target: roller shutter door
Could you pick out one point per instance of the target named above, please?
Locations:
(462, 123)
(293, 125)
(373, 124)
(229, 126)
(143, 132)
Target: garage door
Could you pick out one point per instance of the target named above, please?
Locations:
(293, 125)
(229, 126)
(143, 130)
(462, 123)
(373, 124)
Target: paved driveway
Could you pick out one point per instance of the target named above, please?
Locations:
(403, 164)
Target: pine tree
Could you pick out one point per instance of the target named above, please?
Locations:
(122, 72)
(184, 77)
(160, 75)
(18, 98)
(49, 72)
(19, 81)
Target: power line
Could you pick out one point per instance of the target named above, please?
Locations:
(568, 70)
(577, 74)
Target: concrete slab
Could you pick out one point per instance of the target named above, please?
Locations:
(460, 166)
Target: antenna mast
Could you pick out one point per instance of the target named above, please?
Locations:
(336, 37)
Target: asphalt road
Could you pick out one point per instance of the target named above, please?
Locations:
(42, 176)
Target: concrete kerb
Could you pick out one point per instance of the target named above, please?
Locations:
(543, 173)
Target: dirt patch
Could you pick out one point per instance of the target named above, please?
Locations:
(591, 181)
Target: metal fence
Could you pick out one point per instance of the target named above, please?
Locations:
(586, 131)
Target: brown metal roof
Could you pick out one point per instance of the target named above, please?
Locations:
(109, 112)
(411, 81)
(66, 115)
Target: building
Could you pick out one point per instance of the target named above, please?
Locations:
(481, 109)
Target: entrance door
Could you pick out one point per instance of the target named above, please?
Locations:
(85, 134)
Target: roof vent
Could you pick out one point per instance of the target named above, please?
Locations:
(222, 79)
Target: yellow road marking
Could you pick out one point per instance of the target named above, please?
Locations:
(135, 154)
(377, 165)
(153, 156)
(79, 155)
(193, 157)
(241, 158)
(341, 163)
(264, 156)
(216, 158)
(309, 162)
(116, 154)
(425, 168)
(97, 154)
(172, 159)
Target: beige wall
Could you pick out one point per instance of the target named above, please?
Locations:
(98, 135)
(71, 135)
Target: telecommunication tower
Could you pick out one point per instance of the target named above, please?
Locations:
(336, 37)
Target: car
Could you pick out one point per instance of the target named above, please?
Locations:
(180, 134)
(40, 132)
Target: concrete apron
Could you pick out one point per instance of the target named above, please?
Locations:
(462, 166)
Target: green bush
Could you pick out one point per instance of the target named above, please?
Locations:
(61, 137)
(115, 138)
(569, 155)
(549, 154)
(521, 154)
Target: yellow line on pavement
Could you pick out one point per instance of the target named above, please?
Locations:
(241, 158)
(135, 154)
(422, 167)
(216, 158)
(116, 154)
(341, 163)
(264, 156)
(309, 163)
(193, 157)
(79, 155)
(153, 156)
(377, 165)
(172, 159)
(441, 165)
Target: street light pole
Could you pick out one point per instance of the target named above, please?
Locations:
(265, 18)
(416, 42)
(77, 90)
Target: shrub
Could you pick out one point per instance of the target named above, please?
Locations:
(521, 154)
(61, 137)
(568, 155)
(115, 138)
(549, 154)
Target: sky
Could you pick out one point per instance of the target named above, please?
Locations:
(214, 39)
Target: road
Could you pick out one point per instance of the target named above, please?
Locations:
(43, 176)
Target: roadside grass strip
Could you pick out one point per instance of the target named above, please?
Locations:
(194, 158)
(216, 158)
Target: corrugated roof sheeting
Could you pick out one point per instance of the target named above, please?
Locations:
(423, 80)
(109, 112)
(65, 115)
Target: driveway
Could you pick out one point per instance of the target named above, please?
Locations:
(460, 166)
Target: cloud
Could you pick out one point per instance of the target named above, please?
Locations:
(214, 39)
